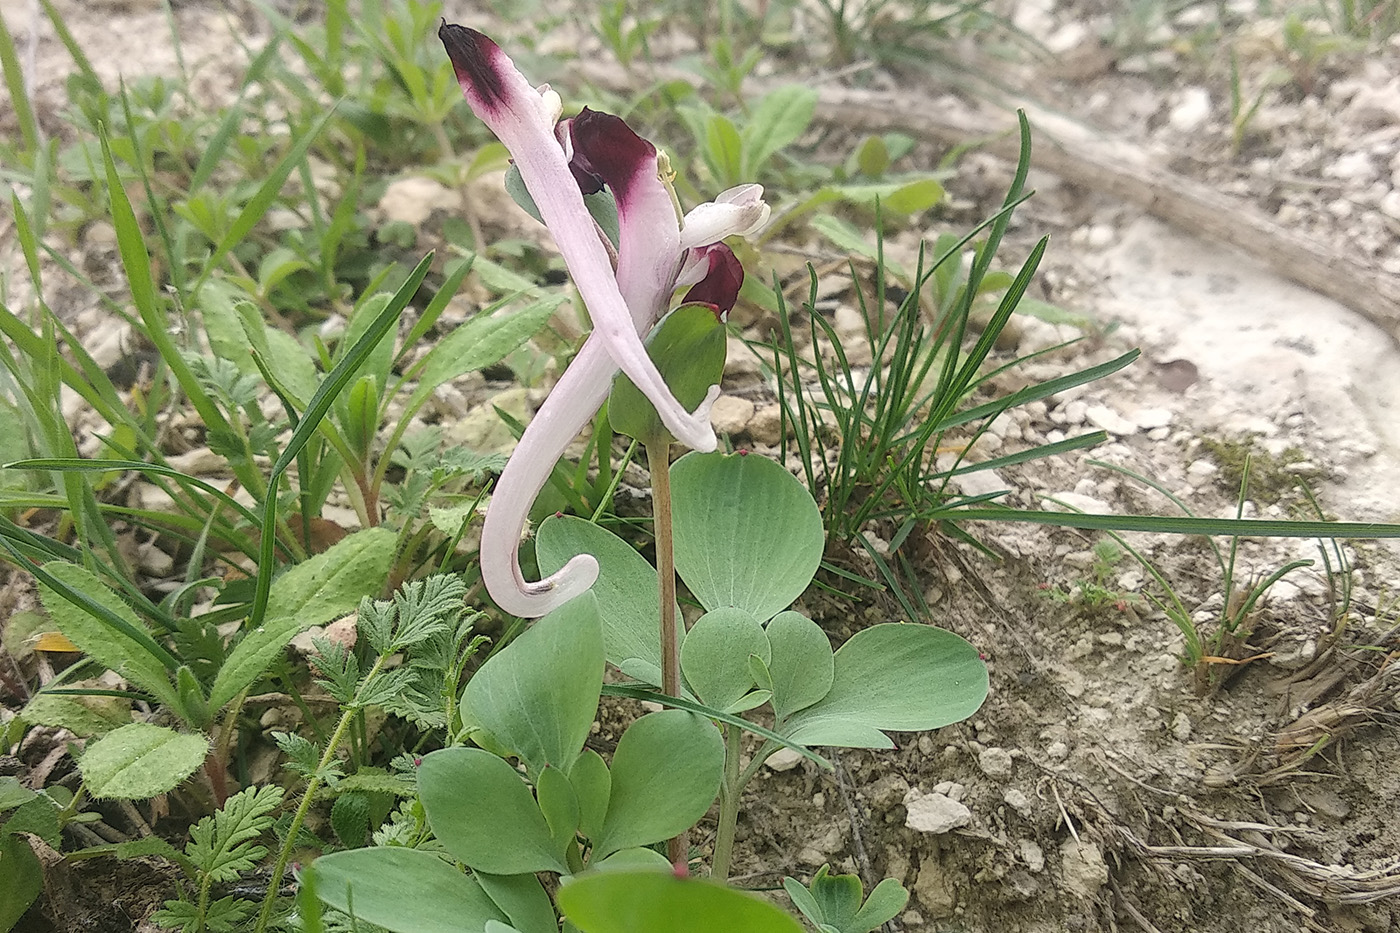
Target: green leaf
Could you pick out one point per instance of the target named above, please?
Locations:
(626, 585)
(83, 716)
(873, 156)
(361, 321)
(592, 786)
(724, 150)
(21, 879)
(319, 589)
(883, 904)
(659, 902)
(116, 649)
(484, 814)
(481, 341)
(223, 844)
(715, 656)
(688, 348)
(838, 897)
(234, 323)
(404, 890)
(665, 774)
(893, 677)
(778, 120)
(539, 695)
(747, 533)
(914, 197)
(802, 668)
(559, 804)
(39, 817)
(522, 899)
(14, 794)
(140, 760)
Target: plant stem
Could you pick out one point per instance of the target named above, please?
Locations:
(729, 793)
(312, 785)
(659, 464)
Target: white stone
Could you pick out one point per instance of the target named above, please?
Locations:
(1075, 501)
(784, 759)
(995, 762)
(1201, 469)
(934, 813)
(1101, 416)
(1016, 799)
(413, 200)
(1032, 854)
(731, 414)
(1149, 419)
(1191, 110)
(1390, 205)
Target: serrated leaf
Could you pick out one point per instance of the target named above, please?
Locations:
(100, 641)
(319, 589)
(140, 760)
(222, 844)
(482, 341)
(83, 716)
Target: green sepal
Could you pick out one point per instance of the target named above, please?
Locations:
(688, 348)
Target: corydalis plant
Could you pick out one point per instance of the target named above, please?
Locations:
(626, 290)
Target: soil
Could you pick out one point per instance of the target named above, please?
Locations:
(1104, 786)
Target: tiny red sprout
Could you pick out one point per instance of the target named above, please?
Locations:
(982, 655)
(417, 762)
(1121, 605)
(742, 451)
(681, 870)
(1042, 586)
(558, 514)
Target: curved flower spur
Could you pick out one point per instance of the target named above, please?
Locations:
(658, 251)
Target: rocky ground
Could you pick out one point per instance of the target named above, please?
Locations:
(1103, 787)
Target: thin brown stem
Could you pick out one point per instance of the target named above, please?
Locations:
(659, 463)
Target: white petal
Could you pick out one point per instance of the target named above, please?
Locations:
(740, 211)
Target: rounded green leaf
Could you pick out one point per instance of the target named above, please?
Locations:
(522, 899)
(802, 667)
(404, 890)
(592, 786)
(484, 814)
(626, 588)
(539, 695)
(688, 347)
(897, 678)
(715, 656)
(665, 774)
(658, 902)
(141, 760)
(747, 532)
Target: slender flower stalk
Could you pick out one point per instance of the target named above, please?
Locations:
(658, 251)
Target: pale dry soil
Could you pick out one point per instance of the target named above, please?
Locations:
(1097, 789)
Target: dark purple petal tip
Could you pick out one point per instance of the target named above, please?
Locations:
(606, 147)
(474, 59)
(720, 286)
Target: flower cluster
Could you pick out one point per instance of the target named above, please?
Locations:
(626, 290)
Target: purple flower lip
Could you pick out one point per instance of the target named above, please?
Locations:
(658, 251)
